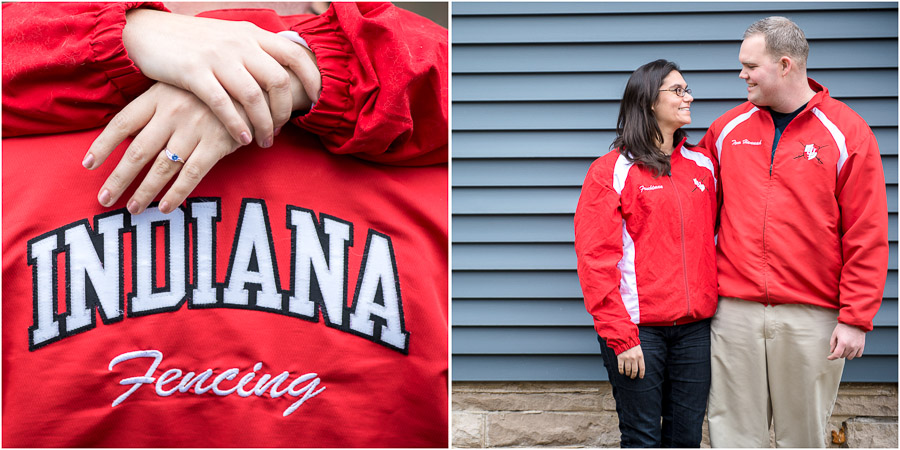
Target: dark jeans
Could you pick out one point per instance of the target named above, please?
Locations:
(675, 387)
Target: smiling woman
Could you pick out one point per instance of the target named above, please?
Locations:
(650, 306)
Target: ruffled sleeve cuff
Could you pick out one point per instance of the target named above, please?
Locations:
(108, 49)
(334, 116)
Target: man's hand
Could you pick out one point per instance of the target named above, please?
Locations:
(218, 60)
(847, 341)
(631, 362)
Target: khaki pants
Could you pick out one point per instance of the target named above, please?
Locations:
(769, 366)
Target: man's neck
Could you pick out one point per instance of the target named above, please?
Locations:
(798, 95)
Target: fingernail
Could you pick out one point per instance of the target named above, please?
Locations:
(277, 130)
(245, 138)
(104, 197)
(164, 207)
(88, 161)
(267, 143)
(133, 207)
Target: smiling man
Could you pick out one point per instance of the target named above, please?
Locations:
(802, 249)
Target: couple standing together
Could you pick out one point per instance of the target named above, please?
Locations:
(741, 272)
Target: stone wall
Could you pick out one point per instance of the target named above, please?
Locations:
(583, 414)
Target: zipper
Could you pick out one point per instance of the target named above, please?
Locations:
(687, 290)
(766, 212)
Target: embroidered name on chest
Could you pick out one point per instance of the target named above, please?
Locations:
(94, 271)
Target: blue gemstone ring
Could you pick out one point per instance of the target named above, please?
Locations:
(173, 156)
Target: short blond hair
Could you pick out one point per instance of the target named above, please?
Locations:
(783, 38)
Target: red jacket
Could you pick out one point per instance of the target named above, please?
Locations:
(298, 299)
(645, 245)
(810, 225)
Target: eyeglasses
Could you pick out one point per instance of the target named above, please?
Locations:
(679, 91)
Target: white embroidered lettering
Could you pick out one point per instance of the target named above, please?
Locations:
(378, 275)
(95, 260)
(745, 142)
(294, 389)
(309, 259)
(226, 375)
(253, 247)
(650, 188)
(136, 381)
(169, 375)
(205, 215)
(246, 379)
(147, 299)
(41, 255)
(105, 276)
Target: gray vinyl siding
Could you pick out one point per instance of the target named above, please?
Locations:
(535, 91)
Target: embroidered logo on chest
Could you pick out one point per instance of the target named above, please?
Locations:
(699, 184)
(651, 187)
(746, 142)
(810, 152)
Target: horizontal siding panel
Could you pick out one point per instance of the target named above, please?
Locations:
(547, 284)
(860, 54)
(513, 228)
(541, 228)
(538, 256)
(555, 8)
(531, 256)
(524, 200)
(583, 340)
(610, 86)
(547, 200)
(870, 369)
(593, 115)
(565, 312)
(659, 27)
(515, 285)
(577, 144)
(562, 173)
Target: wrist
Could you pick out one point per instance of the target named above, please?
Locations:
(301, 101)
(134, 34)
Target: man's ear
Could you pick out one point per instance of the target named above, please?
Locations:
(785, 64)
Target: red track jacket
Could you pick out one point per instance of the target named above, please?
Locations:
(810, 225)
(299, 297)
(645, 245)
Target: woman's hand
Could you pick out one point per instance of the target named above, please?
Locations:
(631, 362)
(166, 118)
(216, 59)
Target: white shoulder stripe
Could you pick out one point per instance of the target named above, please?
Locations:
(836, 135)
(734, 122)
(701, 160)
(620, 173)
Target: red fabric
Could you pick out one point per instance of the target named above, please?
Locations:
(60, 394)
(796, 230)
(666, 274)
(65, 67)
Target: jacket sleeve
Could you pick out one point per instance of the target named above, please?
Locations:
(65, 67)
(864, 221)
(598, 245)
(384, 83)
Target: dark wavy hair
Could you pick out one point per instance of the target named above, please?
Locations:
(637, 131)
